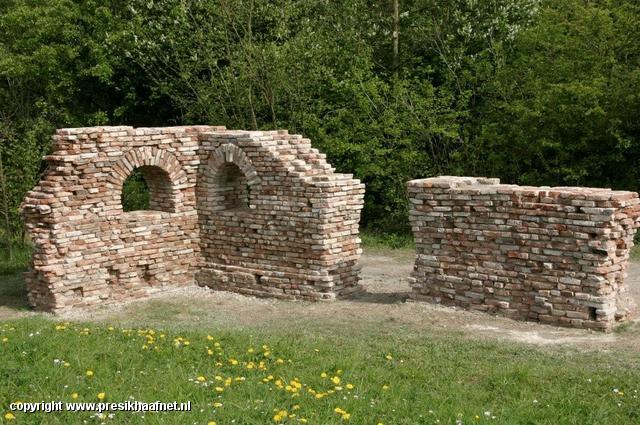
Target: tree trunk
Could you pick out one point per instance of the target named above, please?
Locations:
(5, 208)
(396, 36)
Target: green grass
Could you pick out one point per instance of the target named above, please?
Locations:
(635, 252)
(429, 377)
(381, 240)
(439, 378)
(19, 262)
(13, 292)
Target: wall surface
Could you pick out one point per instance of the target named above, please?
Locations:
(253, 212)
(556, 255)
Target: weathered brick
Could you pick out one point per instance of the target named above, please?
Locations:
(554, 255)
(260, 213)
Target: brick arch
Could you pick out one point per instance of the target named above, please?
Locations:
(229, 180)
(229, 153)
(161, 169)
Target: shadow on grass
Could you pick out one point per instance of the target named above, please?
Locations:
(13, 294)
(13, 291)
(379, 297)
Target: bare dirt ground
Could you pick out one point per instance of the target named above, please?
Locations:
(383, 306)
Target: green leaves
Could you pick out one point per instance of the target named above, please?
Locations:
(535, 92)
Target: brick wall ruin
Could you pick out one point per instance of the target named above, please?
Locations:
(259, 213)
(556, 255)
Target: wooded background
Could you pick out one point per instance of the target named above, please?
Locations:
(534, 92)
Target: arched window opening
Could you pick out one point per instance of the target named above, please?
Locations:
(232, 187)
(135, 192)
(148, 188)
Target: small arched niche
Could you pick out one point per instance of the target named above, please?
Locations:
(148, 188)
(232, 187)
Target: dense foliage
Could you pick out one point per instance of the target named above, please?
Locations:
(534, 92)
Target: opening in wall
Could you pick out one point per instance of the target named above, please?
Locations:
(232, 187)
(135, 192)
(148, 188)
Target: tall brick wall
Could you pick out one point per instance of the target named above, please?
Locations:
(291, 230)
(252, 212)
(556, 255)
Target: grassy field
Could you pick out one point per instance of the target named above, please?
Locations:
(15, 263)
(335, 372)
(322, 378)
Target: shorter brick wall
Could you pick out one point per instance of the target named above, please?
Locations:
(556, 255)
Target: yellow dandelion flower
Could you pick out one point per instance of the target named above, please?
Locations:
(9, 416)
(280, 415)
(89, 373)
(74, 395)
(323, 375)
(295, 407)
(101, 396)
(219, 389)
(385, 387)
(201, 379)
(67, 364)
(279, 361)
(250, 350)
(349, 386)
(335, 380)
(5, 339)
(217, 404)
(209, 351)
(302, 420)
(209, 337)
(346, 416)
(211, 423)
(233, 361)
